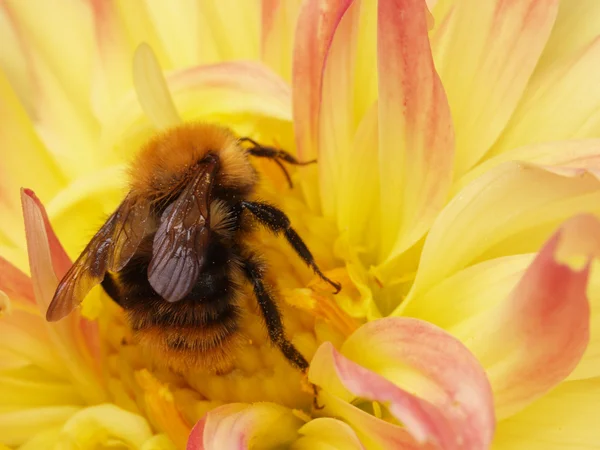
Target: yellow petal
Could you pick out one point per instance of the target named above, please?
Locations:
(357, 203)
(485, 59)
(63, 41)
(416, 137)
(569, 88)
(327, 434)
(151, 88)
(576, 26)
(278, 22)
(17, 427)
(511, 209)
(62, 105)
(575, 153)
(18, 143)
(233, 25)
(564, 419)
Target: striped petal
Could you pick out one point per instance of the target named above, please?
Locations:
(424, 377)
(564, 419)
(241, 426)
(416, 138)
(485, 58)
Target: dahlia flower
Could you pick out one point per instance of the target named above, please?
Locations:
(456, 198)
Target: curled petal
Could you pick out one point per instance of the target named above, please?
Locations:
(326, 433)
(534, 339)
(238, 426)
(428, 380)
(416, 136)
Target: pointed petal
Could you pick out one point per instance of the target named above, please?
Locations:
(570, 89)
(234, 89)
(416, 137)
(485, 59)
(531, 202)
(327, 434)
(151, 88)
(564, 419)
(533, 340)
(318, 21)
(75, 339)
(238, 426)
(445, 397)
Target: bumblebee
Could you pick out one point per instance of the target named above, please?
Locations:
(175, 253)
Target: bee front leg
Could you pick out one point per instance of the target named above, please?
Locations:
(276, 220)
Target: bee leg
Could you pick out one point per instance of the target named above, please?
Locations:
(276, 155)
(270, 312)
(111, 288)
(276, 220)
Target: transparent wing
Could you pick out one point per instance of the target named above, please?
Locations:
(110, 249)
(182, 237)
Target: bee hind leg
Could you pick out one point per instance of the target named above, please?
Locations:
(253, 270)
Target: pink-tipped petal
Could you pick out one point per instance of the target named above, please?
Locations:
(535, 338)
(428, 379)
(416, 136)
(238, 426)
(317, 23)
(76, 338)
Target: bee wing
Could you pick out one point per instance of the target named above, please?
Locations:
(110, 249)
(180, 242)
